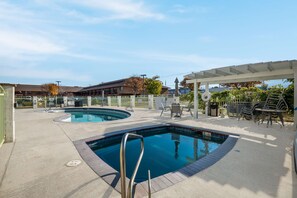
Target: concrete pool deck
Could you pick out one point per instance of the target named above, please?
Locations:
(259, 165)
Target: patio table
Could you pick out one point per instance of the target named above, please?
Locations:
(270, 112)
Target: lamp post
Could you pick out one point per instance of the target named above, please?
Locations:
(143, 75)
(58, 81)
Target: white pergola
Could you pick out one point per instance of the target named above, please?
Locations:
(244, 73)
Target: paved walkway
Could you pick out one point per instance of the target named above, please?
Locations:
(260, 164)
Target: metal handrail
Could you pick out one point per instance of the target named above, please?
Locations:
(123, 164)
(149, 184)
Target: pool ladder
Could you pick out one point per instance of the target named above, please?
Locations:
(129, 193)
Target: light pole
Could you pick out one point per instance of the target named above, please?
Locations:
(58, 81)
(143, 75)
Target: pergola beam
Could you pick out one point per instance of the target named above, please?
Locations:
(269, 67)
(220, 72)
(251, 69)
(276, 74)
(235, 71)
(208, 74)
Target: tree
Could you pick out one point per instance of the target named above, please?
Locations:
(184, 84)
(153, 86)
(135, 84)
(50, 88)
(242, 84)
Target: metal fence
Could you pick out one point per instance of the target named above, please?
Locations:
(113, 101)
(125, 101)
(2, 105)
(58, 101)
(98, 101)
(24, 102)
(141, 101)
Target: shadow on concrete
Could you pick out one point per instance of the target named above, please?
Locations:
(259, 161)
(79, 188)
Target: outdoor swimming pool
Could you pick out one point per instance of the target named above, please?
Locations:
(166, 149)
(94, 115)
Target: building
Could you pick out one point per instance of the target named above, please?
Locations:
(112, 88)
(181, 91)
(38, 90)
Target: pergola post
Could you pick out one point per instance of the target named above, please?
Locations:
(295, 97)
(195, 100)
(206, 105)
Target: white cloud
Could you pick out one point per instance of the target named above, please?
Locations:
(21, 42)
(39, 73)
(122, 9)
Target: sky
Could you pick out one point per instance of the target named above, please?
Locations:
(87, 42)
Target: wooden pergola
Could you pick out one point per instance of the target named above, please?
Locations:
(245, 73)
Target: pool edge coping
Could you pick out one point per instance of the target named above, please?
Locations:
(112, 176)
(68, 115)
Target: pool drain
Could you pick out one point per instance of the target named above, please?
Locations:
(73, 163)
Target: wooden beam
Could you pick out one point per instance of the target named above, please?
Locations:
(208, 74)
(251, 69)
(291, 65)
(276, 74)
(235, 71)
(269, 67)
(220, 72)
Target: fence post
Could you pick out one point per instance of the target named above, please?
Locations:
(132, 101)
(9, 123)
(108, 101)
(34, 102)
(65, 101)
(89, 101)
(45, 102)
(119, 99)
(150, 101)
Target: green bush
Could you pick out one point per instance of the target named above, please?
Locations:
(27, 103)
(252, 94)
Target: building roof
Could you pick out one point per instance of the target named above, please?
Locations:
(31, 88)
(246, 72)
(106, 85)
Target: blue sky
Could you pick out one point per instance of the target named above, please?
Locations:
(88, 42)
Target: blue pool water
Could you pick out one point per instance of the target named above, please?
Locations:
(96, 115)
(166, 150)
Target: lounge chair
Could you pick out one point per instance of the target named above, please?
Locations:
(274, 107)
(188, 108)
(176, 109)
(248, 112)
(164, 109)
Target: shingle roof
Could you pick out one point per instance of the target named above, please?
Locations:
(32, 88)
(111, 84)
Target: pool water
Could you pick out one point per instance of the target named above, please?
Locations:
(166, 150)
(93, 117)
(96, 115)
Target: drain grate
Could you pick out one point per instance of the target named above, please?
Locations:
(73, 163)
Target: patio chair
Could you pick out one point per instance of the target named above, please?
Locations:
(188, 108)
(274, 107)
(176, 109)
(248, 112)
(164, 109)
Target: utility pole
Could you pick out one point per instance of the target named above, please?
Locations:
(143, 75)
(58, 81)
